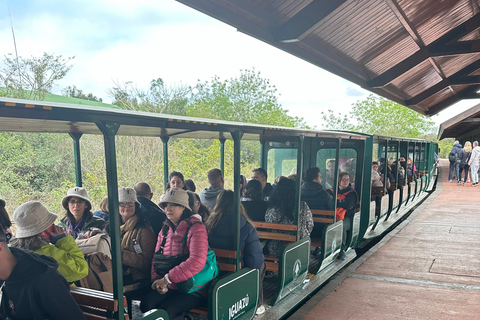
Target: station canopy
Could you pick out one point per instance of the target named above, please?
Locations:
(422, 54)
(464, 126)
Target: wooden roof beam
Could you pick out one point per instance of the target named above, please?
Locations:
(456, 78)
(447, 102)
(306, 20)
(438, 48)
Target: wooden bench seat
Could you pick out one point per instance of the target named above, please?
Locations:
(98, 305)
(323, 216)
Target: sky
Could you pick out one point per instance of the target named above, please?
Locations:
(115, 41)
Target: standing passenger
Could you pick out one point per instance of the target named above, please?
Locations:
(466, 153)
(154, 215)
(474, 163)
(79, 219)
(454, 158)
(208, 196)
(32, 287)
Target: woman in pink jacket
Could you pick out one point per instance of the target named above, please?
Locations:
(179, 219)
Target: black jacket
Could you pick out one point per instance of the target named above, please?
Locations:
(255, 209)
(316, 198)
(267, 191)
(35, 290)
(154, 215)
(221, 237)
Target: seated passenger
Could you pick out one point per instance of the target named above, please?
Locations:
(281, 209)
(179, 220)
(197, 206)
(208, 196)
(190, 185)
(176, 180)
(36, 232)
(243, 183)
(5, 220)
(330, 174)
(261, 175)
(79, 219)
(154, 215)
(32, 287)
(221, 231)
(103, 212)
(347, 200)
(138, 239)
(252, 201)
(313, 193)
(376, 177)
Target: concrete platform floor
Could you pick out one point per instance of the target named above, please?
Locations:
(427, 268)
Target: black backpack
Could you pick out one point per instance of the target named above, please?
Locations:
(452, 157)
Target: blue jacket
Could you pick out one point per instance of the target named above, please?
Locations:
(221, 237)
(457, 149)
(316, 198)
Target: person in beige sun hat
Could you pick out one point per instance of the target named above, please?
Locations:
(36, 232)
(79, 219)
(138, 239)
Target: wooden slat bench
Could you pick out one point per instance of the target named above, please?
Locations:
(96, 304)
(266, 231)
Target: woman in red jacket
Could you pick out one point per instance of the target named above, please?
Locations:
(179, 220)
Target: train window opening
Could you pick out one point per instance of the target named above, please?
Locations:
(326, 163)
(281, 162)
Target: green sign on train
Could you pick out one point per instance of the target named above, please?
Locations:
(235, 296)
(293, 268)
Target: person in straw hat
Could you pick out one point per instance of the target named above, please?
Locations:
(138, 239)
(36, 232)
(179, 219)
(79, 219)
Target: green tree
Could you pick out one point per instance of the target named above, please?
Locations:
(377, 115)
(74, 92)
(247, 98)
(31, 78)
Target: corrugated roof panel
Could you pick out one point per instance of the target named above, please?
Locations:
(286, 9)
(433, 18)
(453, 64)
(418, 79)
(437, 98)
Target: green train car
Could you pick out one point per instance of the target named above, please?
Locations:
(284, 151)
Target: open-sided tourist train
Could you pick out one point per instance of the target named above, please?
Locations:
(234, 295)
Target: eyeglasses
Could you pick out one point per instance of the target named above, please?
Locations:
(127, 204)
(73, 202)
(345, 180)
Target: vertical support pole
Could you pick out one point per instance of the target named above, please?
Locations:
(237, 137)
(337, 169)
(298, 181)
(385, 170)
(165, 162)
(263, 156)
(78, 163)
(222, 155)
(109, 131)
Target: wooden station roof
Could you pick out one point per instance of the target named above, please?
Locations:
(463, 125)
(422, 54)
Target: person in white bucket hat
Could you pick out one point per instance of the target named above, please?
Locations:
(79, 219)
(138, 239)
(36, 232)
(180, 222)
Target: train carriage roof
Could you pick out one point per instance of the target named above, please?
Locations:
(41, 116)
(422, 54)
